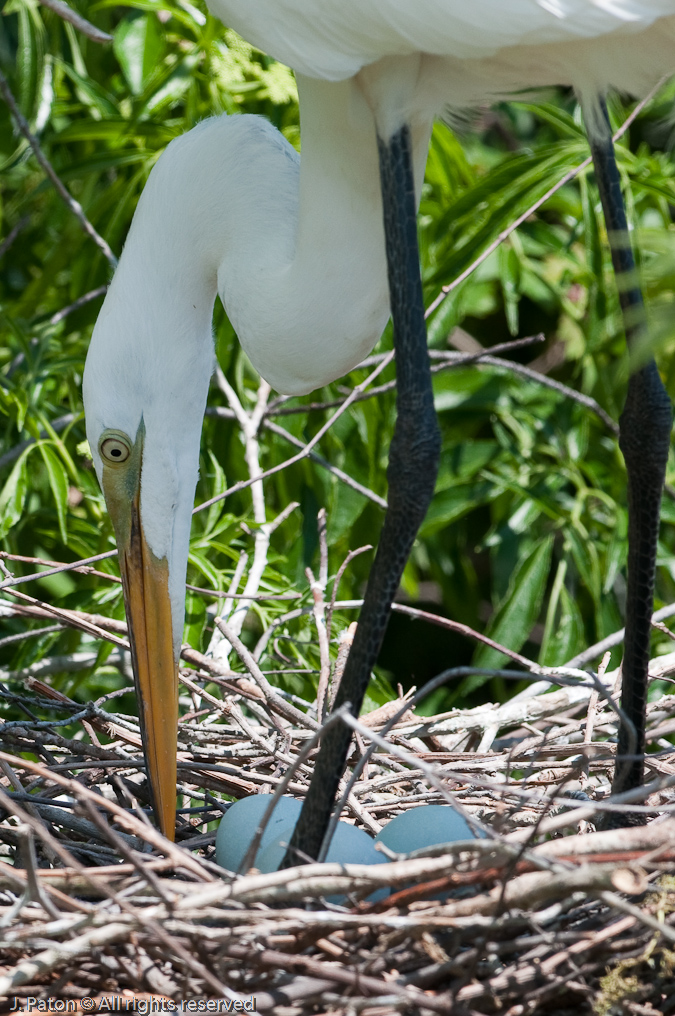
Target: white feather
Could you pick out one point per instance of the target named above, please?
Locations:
(296, 249)
(334, 39)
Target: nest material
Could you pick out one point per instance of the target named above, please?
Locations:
(543, 915)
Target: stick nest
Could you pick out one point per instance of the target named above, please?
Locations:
(544, 914)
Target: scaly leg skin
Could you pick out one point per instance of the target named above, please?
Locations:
(645, 425)
(413, 465)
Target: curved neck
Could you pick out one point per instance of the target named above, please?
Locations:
(294, 247)
(316, 300)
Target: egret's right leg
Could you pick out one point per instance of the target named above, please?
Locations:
(413, 465)
(644, 439)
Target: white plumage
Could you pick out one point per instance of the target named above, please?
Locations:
(296, 247)
(486, 46)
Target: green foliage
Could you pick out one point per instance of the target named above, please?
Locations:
(526, 537)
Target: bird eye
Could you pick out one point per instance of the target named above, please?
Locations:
(115, 450)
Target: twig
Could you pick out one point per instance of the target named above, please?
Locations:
(145, 832)
(345, 644)
(532, 375)
(11, 237)
(318, 589)
(597, 649)
(34, 891)
(82, 566)
(352, 397)
(446, 290)
(464, 629)
(81, 301)
(349, 481)
(338, 578)
(78, 22)
(250, 426)
(226, 606)
(277, 407)
(33, 633)
(49, 170)
(623, 906)
(283, 708)
(218, 594)
(55, 956)
(57, 425)
(72, 619)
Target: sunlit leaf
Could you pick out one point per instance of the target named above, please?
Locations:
(13, 494)
(138, 45)
(58, 482)
(517, 613)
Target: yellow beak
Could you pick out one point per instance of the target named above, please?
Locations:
(145, 581)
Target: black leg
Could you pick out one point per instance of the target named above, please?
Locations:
(644, 439)
(413, 465)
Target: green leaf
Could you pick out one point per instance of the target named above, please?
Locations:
(13, 494)
(58, 482)
(29, 59)
(218, 485)
(509, 270)
(463, 461)
(91, 94)
(138, 45)
(174, 87)
(195, 619)
(519, 610)
(346, 509)
(564, 631)
(450, 505)
(202, 562)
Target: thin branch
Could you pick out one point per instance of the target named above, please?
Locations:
(250, 424)
(33, 633)
(533, 375)
(567, 178)
(464, 629)
(57, 425)
(450, 360)
(338, 578)
(12, 235)
(598, 649)
(258, 597)
(225, 608)
(66, 197)
(325, 464)
(77, 21)
(277, 407)
(283, 708)
(318, 589)
(352, 397)
(81, 301)
(72, 619)
(82, 566)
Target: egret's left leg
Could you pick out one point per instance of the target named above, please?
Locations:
(644, 439)
(413, 465)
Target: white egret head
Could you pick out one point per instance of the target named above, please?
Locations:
(145, 386)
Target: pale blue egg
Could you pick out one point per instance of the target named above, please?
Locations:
(238, 825)
(425, 826)
(348, 846)
(237, 828)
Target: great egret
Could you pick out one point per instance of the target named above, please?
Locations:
(297, 252)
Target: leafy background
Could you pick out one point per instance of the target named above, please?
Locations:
(526, 537)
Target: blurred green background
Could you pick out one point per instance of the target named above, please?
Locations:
(526, 537)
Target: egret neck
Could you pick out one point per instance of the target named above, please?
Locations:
(296, 251)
